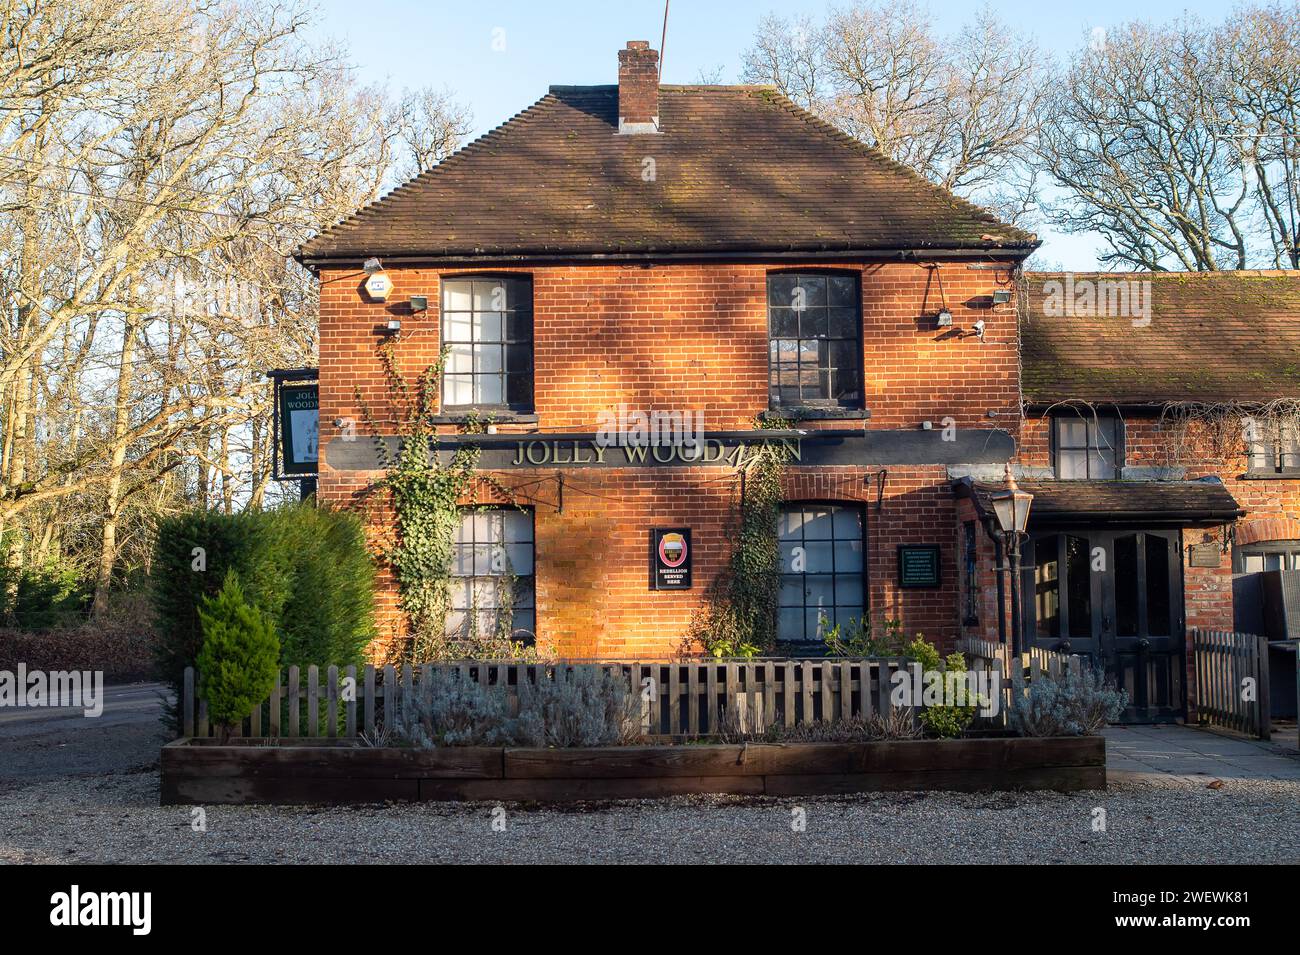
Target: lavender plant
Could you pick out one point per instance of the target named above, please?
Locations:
(591, 710)
(1070, 704)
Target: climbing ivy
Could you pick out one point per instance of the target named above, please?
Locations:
(739, 617)
(425, 496)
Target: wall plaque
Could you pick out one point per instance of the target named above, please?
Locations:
(670, 558)
(1203, 555)
(918, 565)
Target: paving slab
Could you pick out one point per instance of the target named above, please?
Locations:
(1191, 752)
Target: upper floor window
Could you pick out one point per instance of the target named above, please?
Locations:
(821, 570)
(1087, 445)
(1274, 448)
(487, 327)
(814, 327)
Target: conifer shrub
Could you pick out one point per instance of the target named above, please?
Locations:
(240, 655)
(307, 569)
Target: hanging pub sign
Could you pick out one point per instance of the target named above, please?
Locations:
(918, 565)
(299, 421)
(670, 558)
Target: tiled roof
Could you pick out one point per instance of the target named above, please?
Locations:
(1116, 501)
(1212, 336)
(734, 169)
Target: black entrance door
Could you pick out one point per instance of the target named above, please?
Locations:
(1117, 597)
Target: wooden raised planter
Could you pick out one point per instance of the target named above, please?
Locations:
(202, 772)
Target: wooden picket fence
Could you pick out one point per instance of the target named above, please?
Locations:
(1223, 662)
(999, 660)
(678, 699)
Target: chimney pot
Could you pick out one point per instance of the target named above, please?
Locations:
(638, 88)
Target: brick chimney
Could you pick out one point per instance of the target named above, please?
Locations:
(638, 88)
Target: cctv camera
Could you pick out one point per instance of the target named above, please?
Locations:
(979, 329)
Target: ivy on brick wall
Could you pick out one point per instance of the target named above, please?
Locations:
(425, 496)
(739, 616)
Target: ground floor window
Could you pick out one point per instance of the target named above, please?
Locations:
(1273, 555)
(970, 563)
(821, 569)
(492, 584)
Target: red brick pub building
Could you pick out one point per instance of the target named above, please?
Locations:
(715, 250)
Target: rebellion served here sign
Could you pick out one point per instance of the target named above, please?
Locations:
(670, 558)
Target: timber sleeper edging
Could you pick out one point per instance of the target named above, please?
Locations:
(290, 772)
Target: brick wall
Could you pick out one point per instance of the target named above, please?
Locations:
(690, 336)
(1272, 506)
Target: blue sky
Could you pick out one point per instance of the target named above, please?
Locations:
(499, 57)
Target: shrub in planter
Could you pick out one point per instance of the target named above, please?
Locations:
(1069, 704)
(239, 658)
(598, 711)
(595, 711)
(453, 712)
(895, 725)
(946, 722)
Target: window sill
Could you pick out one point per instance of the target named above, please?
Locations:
(815, 413)
(484, 416)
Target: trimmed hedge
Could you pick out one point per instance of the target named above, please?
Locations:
(306, 568)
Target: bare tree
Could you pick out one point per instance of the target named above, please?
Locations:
(159, 162)
(958, 110)
(1177, 143)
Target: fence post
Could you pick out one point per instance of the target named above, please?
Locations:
(1264, 695)
(390, 696)
(332, 700)
(350, 706)
(275, 706)
(674, 698)
(369, 707)
(313, 700)
(295, 700)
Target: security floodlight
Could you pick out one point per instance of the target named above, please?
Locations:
(372, 265)
(1001, 296)
(419, 303)
(394, 325)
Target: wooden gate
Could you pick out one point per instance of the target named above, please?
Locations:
(1232, 688)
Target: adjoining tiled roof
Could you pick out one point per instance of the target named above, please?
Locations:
(1115, 501)
(1212, 336)
(735, 169)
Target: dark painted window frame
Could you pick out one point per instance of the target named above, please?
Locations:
(505, 409)
(829, 407)
(1089, 417)
(800, 647)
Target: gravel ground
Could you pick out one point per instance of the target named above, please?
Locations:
(58, 804)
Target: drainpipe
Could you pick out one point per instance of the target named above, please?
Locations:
(1002, 590)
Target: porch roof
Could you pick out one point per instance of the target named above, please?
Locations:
(1205, 501)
